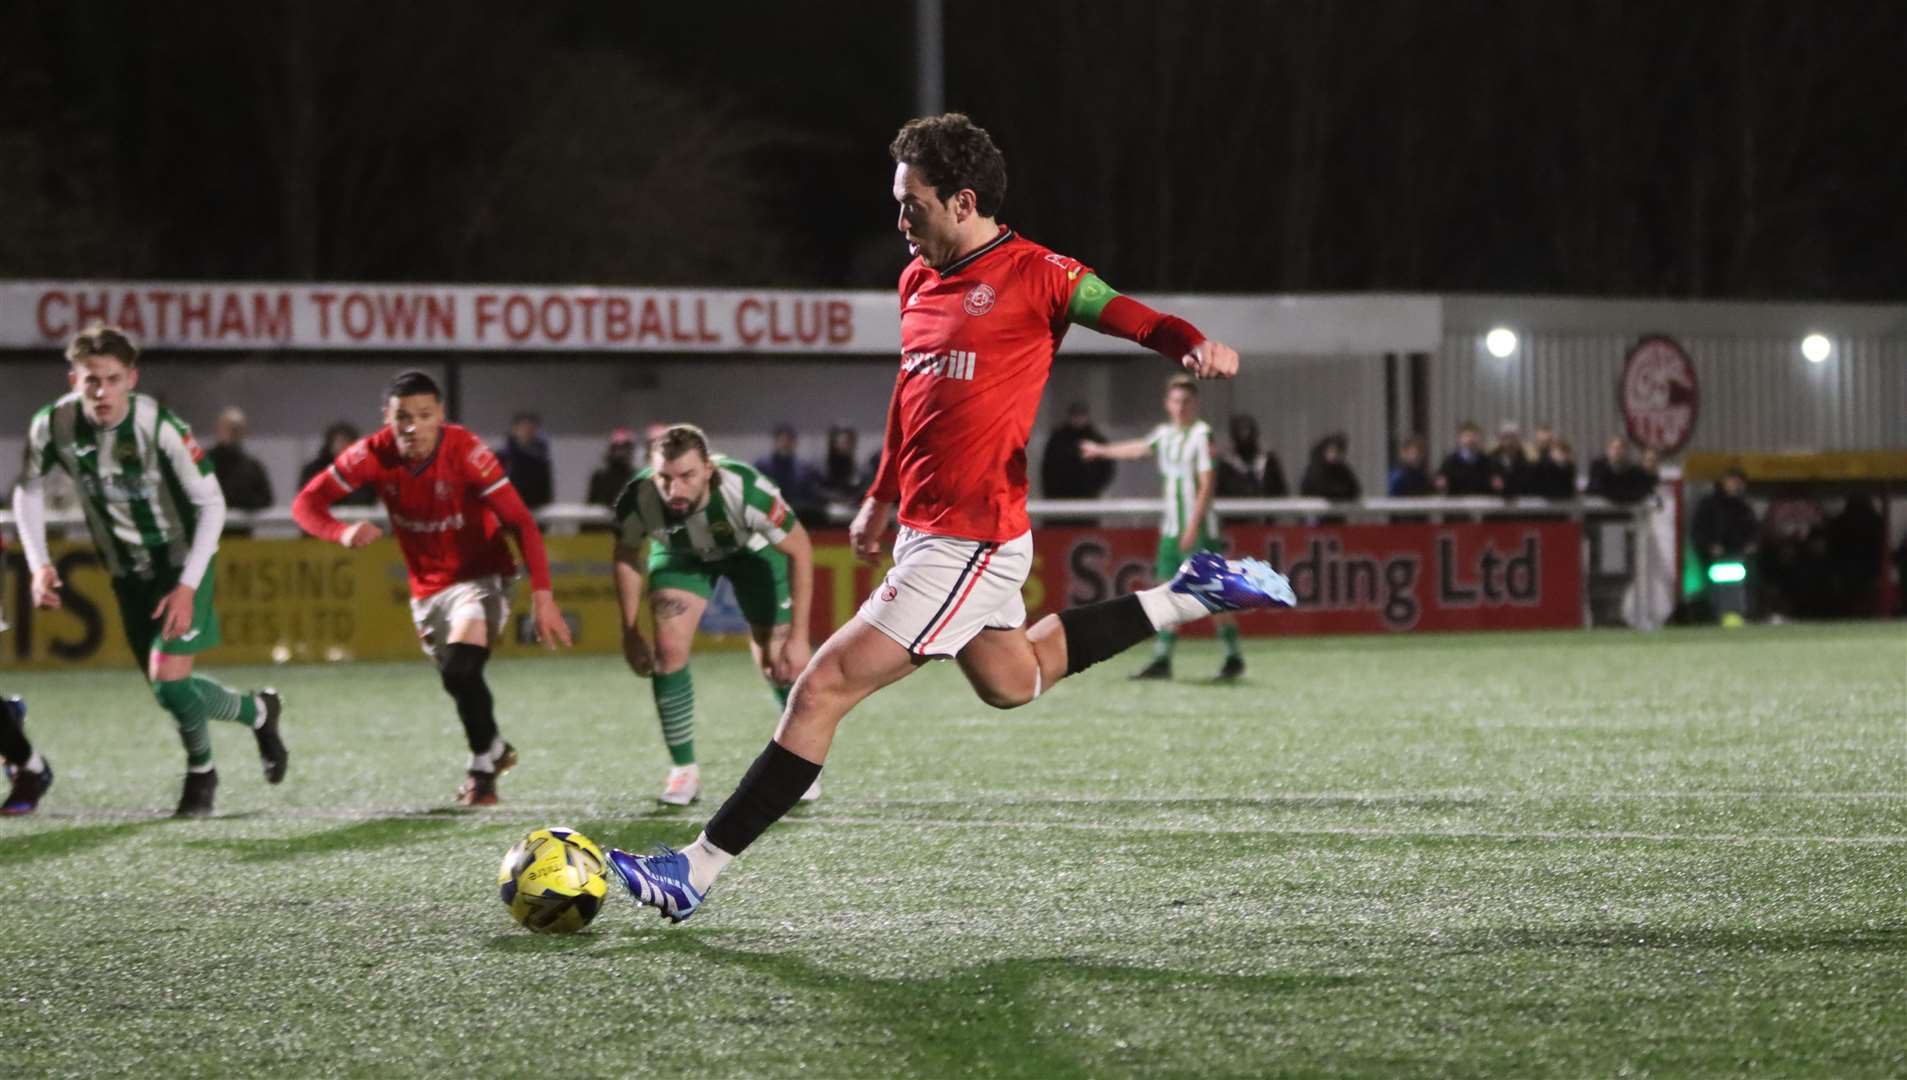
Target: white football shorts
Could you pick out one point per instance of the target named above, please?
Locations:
(486, 598)
(943, 591)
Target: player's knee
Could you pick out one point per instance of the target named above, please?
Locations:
(1002, 698)
(175, 697)
(671, 657)
(462, 670)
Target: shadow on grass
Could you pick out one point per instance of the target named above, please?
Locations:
(995, 1019)
(1551, 940)
(359, 837)
(53, 843)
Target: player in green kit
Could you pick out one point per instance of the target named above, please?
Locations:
(155, 512)
(1183, 448)
(705, 517)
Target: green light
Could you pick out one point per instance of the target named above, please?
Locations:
(1727, 573)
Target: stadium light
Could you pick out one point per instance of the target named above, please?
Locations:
(1727, 573)
(1817, 348)
(1501, 342)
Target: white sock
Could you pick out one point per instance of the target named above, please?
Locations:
(706, 861)
(1168, 609)
(487, 761)
(35, 763)
(258, 704)
(199, 768)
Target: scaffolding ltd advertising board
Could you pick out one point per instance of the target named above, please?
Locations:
(304, 600)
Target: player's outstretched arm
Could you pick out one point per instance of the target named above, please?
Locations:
(1124, 450)
(628, 572)
(794, 655)
(1096, 306)
(503, 500)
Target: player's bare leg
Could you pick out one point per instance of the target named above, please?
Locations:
(854, 662)
(461, 667)
(1010, 668)
(677, 613)
(767, 643)
(192, 700)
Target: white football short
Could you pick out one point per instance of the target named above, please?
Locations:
(943, 591)
(436, 615)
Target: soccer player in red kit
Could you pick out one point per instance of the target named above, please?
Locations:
(449, 503)
(982, 311)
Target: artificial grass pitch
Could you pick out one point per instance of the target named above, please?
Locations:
(1675, 854)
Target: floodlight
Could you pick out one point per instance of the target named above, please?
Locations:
(1817, 348)
(1501, 342)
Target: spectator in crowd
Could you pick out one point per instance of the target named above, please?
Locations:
(617, 469)
(337, 439)
(796, 478)
(1064, 473)
(242, 477)
(1511, 463)
(1724, 525)
(1617, 477)
(1328, 475)
(1900, 578)
(526, 460)
(1408, 477)
(1466, 470)
(1247, 469)
(1553, 476)
(842, 478)
(1856, 543)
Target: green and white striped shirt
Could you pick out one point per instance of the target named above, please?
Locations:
(144, 485)
(744, 512)
(1184, 454)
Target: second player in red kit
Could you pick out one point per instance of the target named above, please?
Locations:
(450, 505)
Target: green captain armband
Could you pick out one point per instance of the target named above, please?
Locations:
(1090, 298)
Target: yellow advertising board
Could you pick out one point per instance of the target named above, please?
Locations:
(296, 600)
(307, 600)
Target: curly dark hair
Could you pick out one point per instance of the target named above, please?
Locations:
(952, 152)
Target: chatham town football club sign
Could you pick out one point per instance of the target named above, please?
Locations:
(1659, 394)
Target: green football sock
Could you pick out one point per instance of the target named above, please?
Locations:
(193, 701)
(1229, 635)
(1162, 645)
(781, 693)
(675, 705)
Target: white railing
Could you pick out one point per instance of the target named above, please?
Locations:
(561, 518)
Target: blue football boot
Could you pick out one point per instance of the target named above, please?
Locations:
(28, 787)
(660, 881)
(1238, 585)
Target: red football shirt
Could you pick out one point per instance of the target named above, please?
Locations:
(977, 343)
(436, 507)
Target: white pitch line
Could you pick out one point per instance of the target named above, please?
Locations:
(521, 815)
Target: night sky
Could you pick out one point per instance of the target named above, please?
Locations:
(1749, 149)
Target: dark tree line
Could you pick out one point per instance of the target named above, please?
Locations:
(1707, 148)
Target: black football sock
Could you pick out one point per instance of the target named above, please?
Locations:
(463, 681)
(14, 746)
(1096, 632)
(771, 787)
